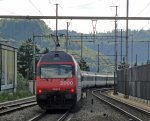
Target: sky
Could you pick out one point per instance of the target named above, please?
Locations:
(137, 8)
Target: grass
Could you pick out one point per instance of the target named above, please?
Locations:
(22, 90)
(10, 96)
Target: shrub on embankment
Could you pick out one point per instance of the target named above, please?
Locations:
(22, 90)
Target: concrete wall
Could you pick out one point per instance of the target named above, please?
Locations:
(8, 68)
(136, 83)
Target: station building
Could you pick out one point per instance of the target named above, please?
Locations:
(8, 68)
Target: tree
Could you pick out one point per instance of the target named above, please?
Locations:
(46, 50)
(25, 57)
(83, 65)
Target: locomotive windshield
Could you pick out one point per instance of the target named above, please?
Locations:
(56, 71)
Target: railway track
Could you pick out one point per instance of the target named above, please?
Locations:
(56, 117)
(133, 112)
(12, 106)
(8, 108)
(17, 101)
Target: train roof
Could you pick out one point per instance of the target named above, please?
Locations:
(57, 56)
(86, 73)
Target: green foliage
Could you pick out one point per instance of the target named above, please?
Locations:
(9, 96)
(83, 65)
(21, 92)
(25, 57)
(22, 83)
(22, 87)
(45, 51)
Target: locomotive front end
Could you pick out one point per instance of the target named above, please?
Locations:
(56, 86)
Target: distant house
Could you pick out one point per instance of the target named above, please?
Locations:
(8, 68)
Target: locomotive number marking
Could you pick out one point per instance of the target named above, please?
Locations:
(66, 83)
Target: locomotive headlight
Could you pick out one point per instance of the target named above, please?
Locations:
(39, 91)
(72, 90)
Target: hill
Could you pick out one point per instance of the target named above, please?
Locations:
(137, 44)
(17, 31)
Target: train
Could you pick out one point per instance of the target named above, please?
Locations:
(92, 79)
(60, 82)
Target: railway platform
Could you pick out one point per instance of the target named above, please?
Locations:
(141, 103)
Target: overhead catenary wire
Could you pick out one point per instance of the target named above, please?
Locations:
(35, 7)
(38, 10)
(143, 9)
(147, 5)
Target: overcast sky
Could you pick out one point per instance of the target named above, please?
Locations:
(81, 8)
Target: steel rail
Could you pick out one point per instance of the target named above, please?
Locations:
(130, 105)
(16, 104)
(64, 116)
(37, 117)
(16, 101)
(117, 108)
(9, 110)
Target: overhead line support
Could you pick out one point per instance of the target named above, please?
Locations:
(74, 17)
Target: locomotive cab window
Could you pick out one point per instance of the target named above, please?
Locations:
(56, 71)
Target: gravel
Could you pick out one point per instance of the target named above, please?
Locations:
(99, 111)
(22, 115)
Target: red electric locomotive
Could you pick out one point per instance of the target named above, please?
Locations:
(58, 82)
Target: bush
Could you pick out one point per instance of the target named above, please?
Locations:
(9, 96)
(22, 90)
(22, 83)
